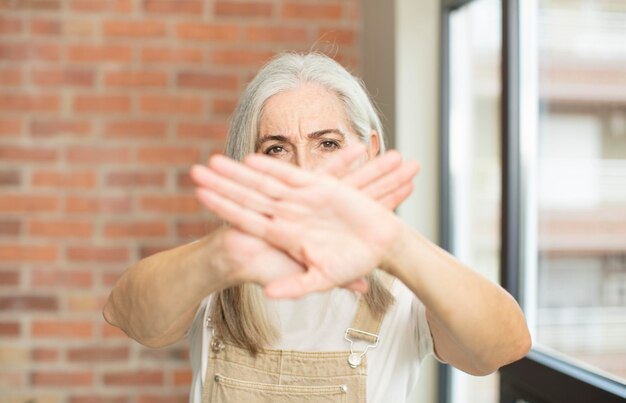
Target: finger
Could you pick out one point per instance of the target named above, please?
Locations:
(395, 198)
(246, 220)
(241, 195)
(298, 285)
(374, 169)
(248, 177)
(342, 162)
(388, 183)
(280, 170)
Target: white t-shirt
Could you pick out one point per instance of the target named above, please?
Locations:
(318, 323)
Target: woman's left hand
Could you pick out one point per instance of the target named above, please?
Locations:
(337, 232)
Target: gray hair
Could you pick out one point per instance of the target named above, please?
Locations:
(287, 71)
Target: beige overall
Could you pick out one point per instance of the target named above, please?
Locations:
(279, 376)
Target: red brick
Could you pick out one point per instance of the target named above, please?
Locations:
(10, 25)
(135, 230)
(10, 127)
(182, 377)
(135, 79)
(223, 106)
(170, 204)
(10, 77)
(55, 278)
(134, 29)
(64, 77)
(149, 250)
(97, 155)
(28, 253)
(97, 354)
(59, 127)
(202, 131)
(29, 51)
(10, 227)
(9, 278)
(135, 129)
(276, 34)
(121, 6)
(99, 53)
(67, 179)
(62, 329)
(339, 36)
(60, 228)
(240, 57)
(243, 9)
(312, 11)
(151, 398)
(61, 379)
(44, 354)
(99, 399)
(38, 4)
(207, 32)
(183, 181)
(27, 154)
(10, 329)
(196, 228)
(102, 104)
(28, 303)
(134, 378)
(97, 254)
(168, 155)
(207, 81)
(10, 177)
(92, 205)
(109, 331)
(171, 55)
(13, 380)
(29, 103)
(190, 105)
(136, 179)
(28, 203)
(109, 278)
(169, 7)
(39, 26)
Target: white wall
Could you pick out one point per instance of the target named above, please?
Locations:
(401, 69)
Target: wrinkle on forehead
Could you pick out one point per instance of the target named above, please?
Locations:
(304, 110)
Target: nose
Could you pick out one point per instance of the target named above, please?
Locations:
(304, 160)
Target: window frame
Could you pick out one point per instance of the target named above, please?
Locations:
(539, 377)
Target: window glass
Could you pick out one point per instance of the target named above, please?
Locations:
(475, 166)
(580, 296)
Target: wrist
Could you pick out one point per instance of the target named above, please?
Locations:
(392, 257)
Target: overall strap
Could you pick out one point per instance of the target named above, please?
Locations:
(366, 324)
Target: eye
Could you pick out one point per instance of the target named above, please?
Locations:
(329, 145)
(274, 150)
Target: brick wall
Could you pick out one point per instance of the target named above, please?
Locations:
(104, 104)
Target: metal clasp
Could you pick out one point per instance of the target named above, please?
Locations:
(355, 358)
(217, 344)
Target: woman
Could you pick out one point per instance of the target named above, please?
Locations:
(310, 219)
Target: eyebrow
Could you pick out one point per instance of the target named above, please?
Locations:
(312, 135)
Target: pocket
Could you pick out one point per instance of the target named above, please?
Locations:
(228, 390)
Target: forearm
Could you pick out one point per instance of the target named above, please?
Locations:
(155, 301)
(477, 326)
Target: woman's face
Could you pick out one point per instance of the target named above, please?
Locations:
(307, 125)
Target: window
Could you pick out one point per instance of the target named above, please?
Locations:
(558, 144)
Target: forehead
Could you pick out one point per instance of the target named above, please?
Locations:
(307, 108)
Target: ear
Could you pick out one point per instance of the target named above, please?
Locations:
(374, 145)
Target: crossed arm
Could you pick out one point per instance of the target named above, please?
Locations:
(305, 225)
(339, 234)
